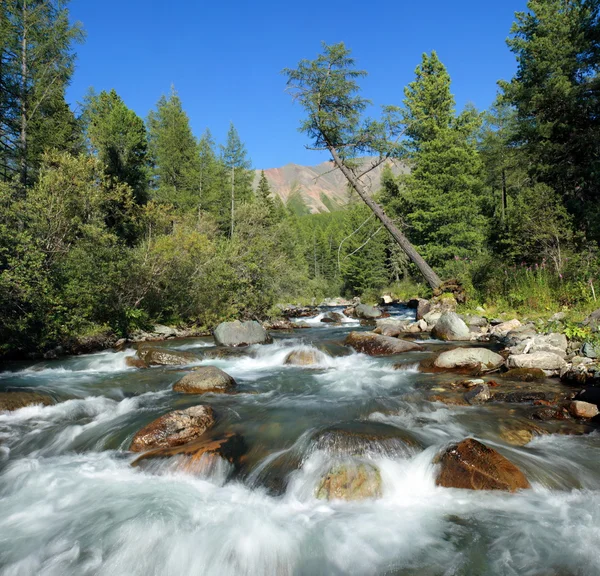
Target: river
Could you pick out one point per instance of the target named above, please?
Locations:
(72, 504)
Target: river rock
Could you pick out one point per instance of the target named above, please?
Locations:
(473, 321)
(350, 482)
(588, 350)
(376, 345)
(581, 409)
(423, 308)
(194, 457)
(450, 326)
(205, 379)
(524, 374)
(593, 320)
(472, 465)
(478, 395)
(366, 312)
(542, 360)
(304, 357)
(135, 362)
(174, 428)
(476, 359)
(391, 326)
(15, 400)
(504, 328)
(240, 334)
(332, 317)
(165, 357)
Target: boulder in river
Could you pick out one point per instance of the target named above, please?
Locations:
(165, 357)
(350, 481)
(241, 334)
(15, 400)
(195, 456)
(472, 465)
(524, 374)
(504, 328)
(376, 345)
(174, 428)
(476, 359)
(332, 317)
(423, 308)
(366, 312)
(581, 409)
(450, 326)
(205, 379)
(478, 395)
(542, 360)
(305, 356)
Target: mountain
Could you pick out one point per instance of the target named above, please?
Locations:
(320, 188)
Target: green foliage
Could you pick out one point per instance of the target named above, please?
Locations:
(118, 137)
(175, 155)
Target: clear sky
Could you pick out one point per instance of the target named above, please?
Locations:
(225, 57)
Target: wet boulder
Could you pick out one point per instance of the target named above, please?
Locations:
(423, 308)
(475, 359)
(524, 374)
(15, 400)
(585, 410)
(376, 345)
(197, 456)
(542, 360)
(350, 481)
(450, 326)
(135, 362)
(332, 318)
(478, 394)
(205, 379)
(241, 334)
(366, 312)
(174, 428)
(305, 357)
(391, 326)
(165, 357)
(472, 465)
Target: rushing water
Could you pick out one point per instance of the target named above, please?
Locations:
(71, 504)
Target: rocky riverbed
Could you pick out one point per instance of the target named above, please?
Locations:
(397, 441)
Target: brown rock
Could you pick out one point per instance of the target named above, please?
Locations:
(205, 379)
(135, 362)
(524, 374)
(174, 428)
(230, 447)
(581, 409)
(472, 465)
(304, 357)
(165, 357)
(376, 345)
(350, 482)
(14, 400)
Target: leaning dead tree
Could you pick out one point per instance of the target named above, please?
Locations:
(328, 90)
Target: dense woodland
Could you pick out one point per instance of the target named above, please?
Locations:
(110, 221)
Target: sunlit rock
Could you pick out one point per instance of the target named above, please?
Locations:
(165, 357)
(350, 481)
(450, 326)
(241, 334)
(472, 465)
(376, 345)
(205, 379)
(174, 428)
(16, 400)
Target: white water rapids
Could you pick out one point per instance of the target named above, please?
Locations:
(72, 504)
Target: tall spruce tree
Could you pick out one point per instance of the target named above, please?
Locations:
(556, 92)
(442, 196)
(237, 172)
(117, 135)
(36, 65)
(174, 154)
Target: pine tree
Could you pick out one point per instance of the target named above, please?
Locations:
(556, 92)
(174, 153)
(118, 137)
(442, 196)
(36, 65)
(209, 173)
(238, 172)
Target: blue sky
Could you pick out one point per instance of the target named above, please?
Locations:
(225, 58)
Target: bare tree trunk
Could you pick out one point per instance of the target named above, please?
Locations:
(232, 198)
(430, 276)
(504, 199)
(23, 95)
